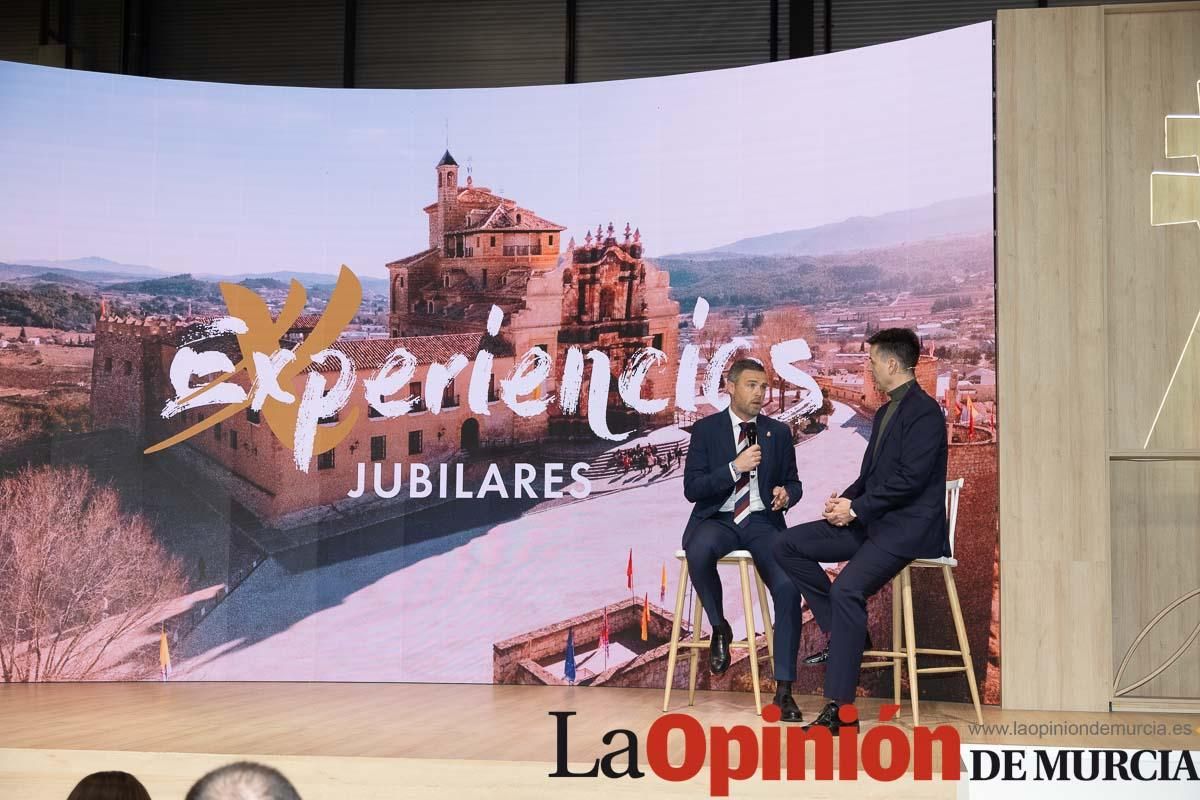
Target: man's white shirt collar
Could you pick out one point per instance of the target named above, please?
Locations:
(737, 421)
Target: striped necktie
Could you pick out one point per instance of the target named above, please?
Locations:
(741, 489)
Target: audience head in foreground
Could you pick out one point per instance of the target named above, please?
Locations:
(109, 786)
(243, 780)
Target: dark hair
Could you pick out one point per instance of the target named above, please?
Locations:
(741, 365)
(233, 781)
(900, 343)
(109, 786)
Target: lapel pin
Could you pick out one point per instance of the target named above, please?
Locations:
(768, 434)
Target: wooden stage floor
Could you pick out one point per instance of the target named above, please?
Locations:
(424, 740)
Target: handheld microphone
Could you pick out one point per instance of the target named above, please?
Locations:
(751, 440)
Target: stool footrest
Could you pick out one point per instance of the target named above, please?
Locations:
(886, 654)
(704, 644)
(924, 670)
(921, 651)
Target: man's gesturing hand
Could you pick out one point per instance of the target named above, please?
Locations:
(780, 501)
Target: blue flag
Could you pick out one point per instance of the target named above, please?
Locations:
(569, 667)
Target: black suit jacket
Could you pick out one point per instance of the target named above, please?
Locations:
(707, 481)
(900, 494)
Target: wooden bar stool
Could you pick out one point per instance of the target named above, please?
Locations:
(745, 563)
(904, 647)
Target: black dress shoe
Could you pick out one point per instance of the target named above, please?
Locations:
(819, 657)
(822, 655)
(828, 718)
(718, 649)
(788, 710)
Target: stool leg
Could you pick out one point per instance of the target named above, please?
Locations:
(751, 639)
(963, 644)
(765, 608)
(910, 639)
(673, 652)
(695, 651)
(897, 600)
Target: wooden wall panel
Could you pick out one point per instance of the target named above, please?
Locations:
(1095, 306)
(1052, 359)
(1152, 68)
(1153, 63)
(1156, 562)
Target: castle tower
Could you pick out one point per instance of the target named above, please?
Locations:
(127, 367)
(616, 302)
(951, 404)
(447, 170)
(483, 249)
(447, 194)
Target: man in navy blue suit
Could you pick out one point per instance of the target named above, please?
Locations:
(741, 475)
(893, 513)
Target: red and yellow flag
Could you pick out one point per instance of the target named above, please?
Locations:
(662, 589)
(646, 617)
(164, 654)
(629, 571)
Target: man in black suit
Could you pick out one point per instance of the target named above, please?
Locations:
(893, 513)
(741, 475)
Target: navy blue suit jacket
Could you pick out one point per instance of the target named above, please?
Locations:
(707, 481)
(900, 494)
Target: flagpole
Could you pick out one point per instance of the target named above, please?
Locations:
(606, 634)
(629, 575)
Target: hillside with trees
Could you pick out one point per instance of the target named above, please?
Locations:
(47, 306)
